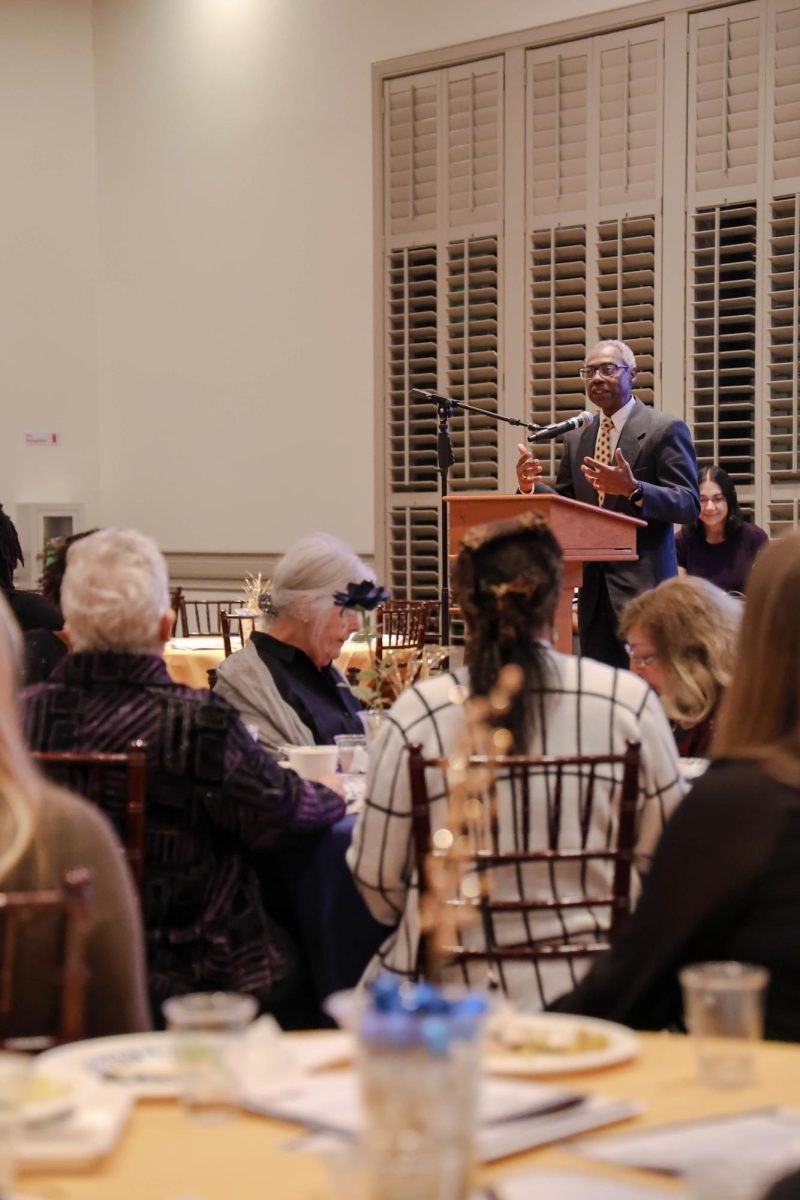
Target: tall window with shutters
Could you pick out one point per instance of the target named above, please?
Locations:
(584, 216)
(443, 205)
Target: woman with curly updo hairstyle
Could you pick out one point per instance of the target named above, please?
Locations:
(507, 580)
(507, 585)
(681, 639)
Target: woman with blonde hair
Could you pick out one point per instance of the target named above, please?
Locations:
(725, 879)
(45, 831)
(680, 639)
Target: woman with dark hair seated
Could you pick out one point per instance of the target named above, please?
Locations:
(507, 580)
(681, 639)
(720, 545)
(31, 611)
(44, 648)
(725, 880)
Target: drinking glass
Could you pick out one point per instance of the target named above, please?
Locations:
(206, 1027)
(419, 1060)
(353, 763)
(724, 1010)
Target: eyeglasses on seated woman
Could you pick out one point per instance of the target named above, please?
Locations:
(681, 638)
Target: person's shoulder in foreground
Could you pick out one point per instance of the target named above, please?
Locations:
(725, 883)
(72, 833)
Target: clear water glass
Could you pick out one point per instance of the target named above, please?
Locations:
(206, 1028)
(724, 1010)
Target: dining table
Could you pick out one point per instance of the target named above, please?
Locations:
(189, 659)
(163, 1155)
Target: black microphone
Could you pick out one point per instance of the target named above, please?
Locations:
(553, 431)
(434, 397)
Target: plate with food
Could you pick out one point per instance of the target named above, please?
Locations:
(142, 1063)
(51, 1094)
(554, 1043)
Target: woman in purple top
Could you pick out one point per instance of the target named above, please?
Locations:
(720, 546)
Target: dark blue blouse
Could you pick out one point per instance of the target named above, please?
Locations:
(319, 696)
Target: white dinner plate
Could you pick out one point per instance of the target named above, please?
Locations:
(561, 1051)
(50, 1094)
(141, 1063)
(143, 1066)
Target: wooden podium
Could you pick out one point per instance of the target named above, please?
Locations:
(586, 534)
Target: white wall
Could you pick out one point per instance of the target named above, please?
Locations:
(234, 207)
(48, 375)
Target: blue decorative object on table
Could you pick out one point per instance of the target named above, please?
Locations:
(366, 595)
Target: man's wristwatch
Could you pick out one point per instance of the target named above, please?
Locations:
(637, 495)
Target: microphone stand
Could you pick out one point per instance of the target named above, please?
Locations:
(445, 458)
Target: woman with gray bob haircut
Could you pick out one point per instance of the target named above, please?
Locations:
(283, 681)
(115, 594)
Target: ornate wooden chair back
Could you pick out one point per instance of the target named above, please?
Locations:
(537, 839)
(116, 783)
(73, 901)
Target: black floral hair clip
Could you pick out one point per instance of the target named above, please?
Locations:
(366, 595)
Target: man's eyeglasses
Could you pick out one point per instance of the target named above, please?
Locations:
(604, 370)
(639, 660)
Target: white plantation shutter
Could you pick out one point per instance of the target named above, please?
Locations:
(783, 418)
(472, 369)
(543, 198)
(413, 552)
(630, 72)
(725, 72)
(626, 280)
(443, 211)
(412, 332)
(557, 328)
(557, 143)
(786, 96)
(474, 143)
(723, 338)
(744, 119)
(411, 132)
(594, 144)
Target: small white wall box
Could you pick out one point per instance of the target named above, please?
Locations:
(37, 524)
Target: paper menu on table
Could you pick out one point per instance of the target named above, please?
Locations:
(760, 1135)
(333, 1102)
(568, 1185)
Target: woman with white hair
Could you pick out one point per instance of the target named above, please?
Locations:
(216, 802)
(45, 831)
(283, 680)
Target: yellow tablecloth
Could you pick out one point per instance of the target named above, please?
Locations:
(161, 1155)
(188, 659)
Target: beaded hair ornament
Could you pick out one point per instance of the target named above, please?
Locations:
(471, 586)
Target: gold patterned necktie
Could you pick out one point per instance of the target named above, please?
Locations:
(603, 449)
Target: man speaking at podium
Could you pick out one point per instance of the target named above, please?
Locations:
(630, 459)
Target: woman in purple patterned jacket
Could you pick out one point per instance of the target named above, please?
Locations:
(217, 804)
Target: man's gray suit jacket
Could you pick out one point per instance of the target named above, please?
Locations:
(661, 455)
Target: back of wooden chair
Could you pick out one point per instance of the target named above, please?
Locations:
(200, 618)
(536, 788)
(73, 901)
(401, 625)
(114, 782)
(237, 625)
(177, 605)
